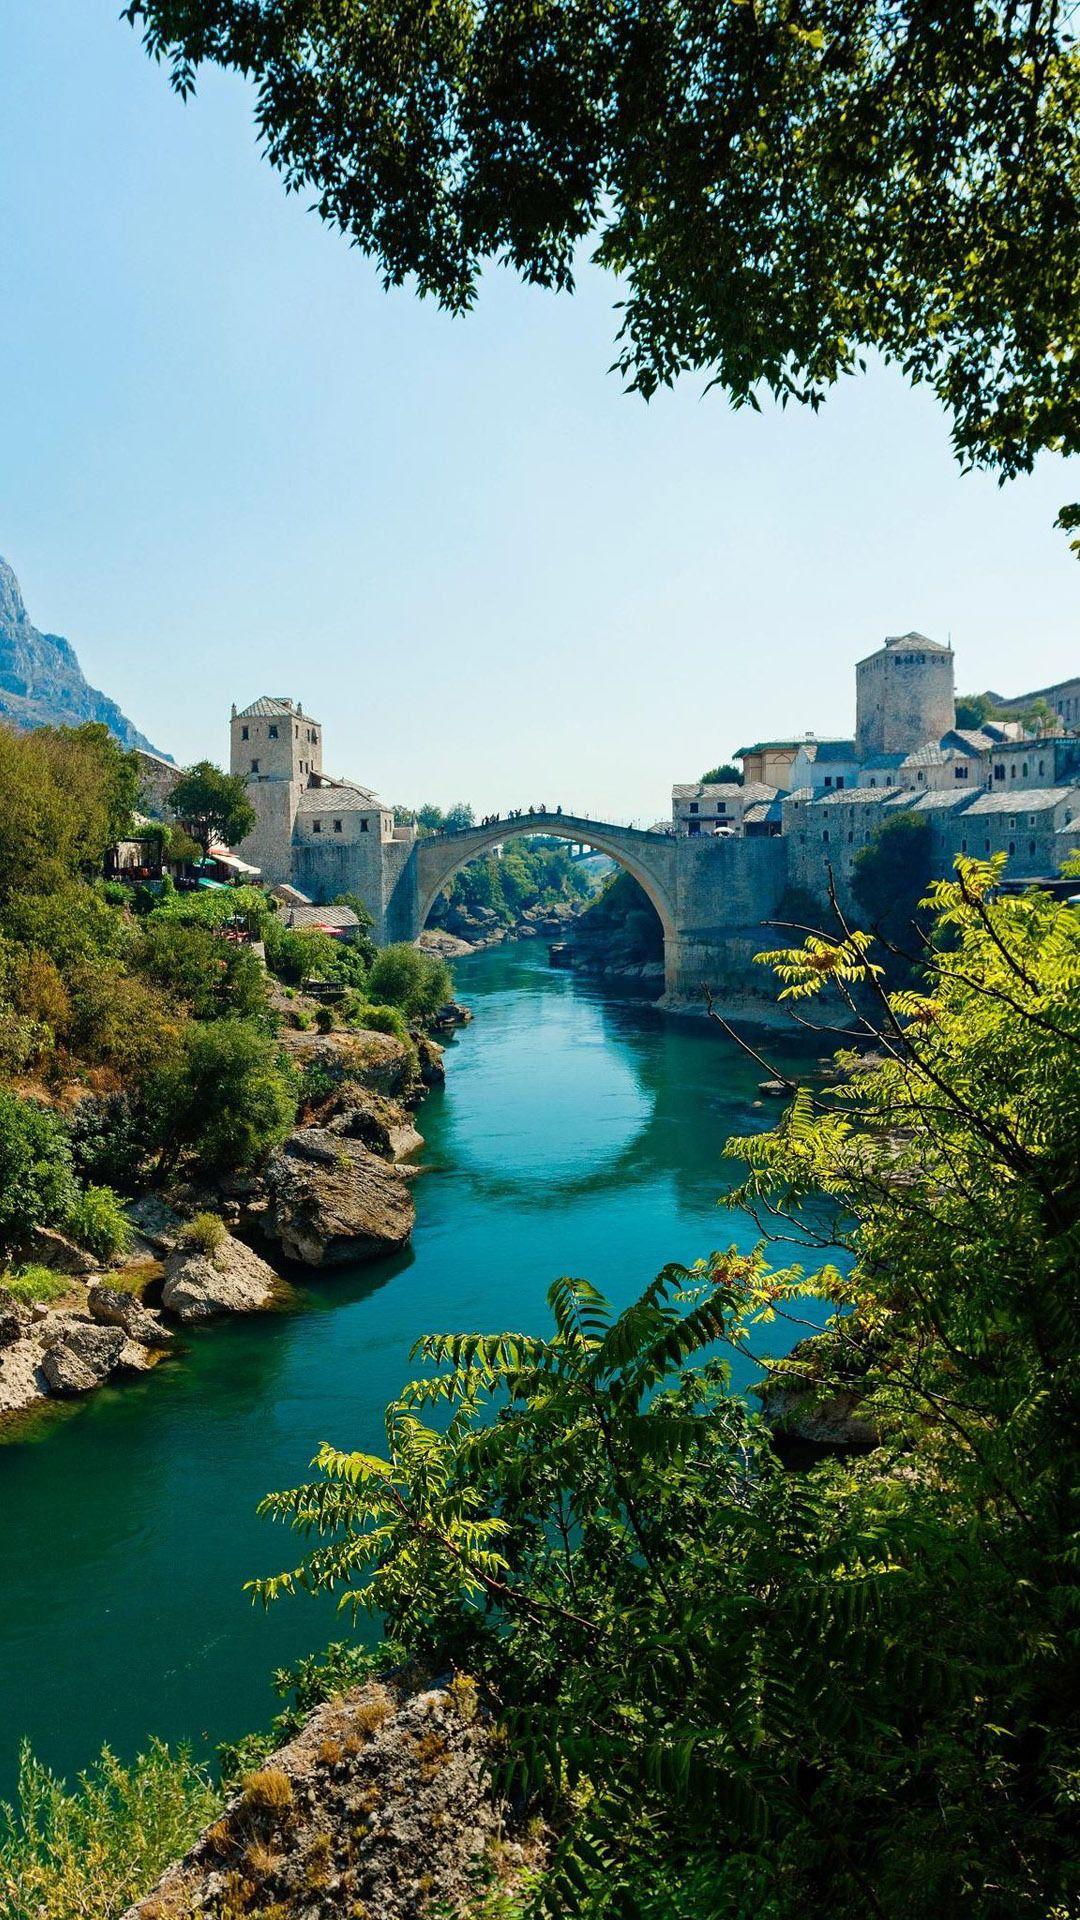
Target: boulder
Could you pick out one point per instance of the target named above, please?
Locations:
(47, 1248)
(332, 1201)
(382, 1126)
(453, 1014)
(21, 1379)
(111, 1307)
(232, 1279)
(377, 1061)
(83, 1356)
(430, 1056)
(14, 1318)
(155, 1222)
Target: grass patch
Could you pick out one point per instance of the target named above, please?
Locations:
(31, 1284)
(204, 1234)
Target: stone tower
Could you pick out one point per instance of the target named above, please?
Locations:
(904, 695)
(277, 749)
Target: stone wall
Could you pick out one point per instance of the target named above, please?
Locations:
(903, 696)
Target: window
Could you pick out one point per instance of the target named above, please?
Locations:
(721, 806)
(1012, 821)
(254, 766)
(272, 732)
(888, 779)
(963, 846)
(693, 806)
(999, 770)
(873, 782)
(363, 826)
(960, 772)
(1031, 848)
(1012, 846)
(828, 779)
(921, 777)
(839, 780)
(1042, 766)
(316, 826)
(825, 833)
(1012, 771)
(337, 826)
(695, 826)
(986, 844)
(1023, 770)
(243, 733)
(1033, 819)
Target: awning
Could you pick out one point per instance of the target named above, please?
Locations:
(233, 862)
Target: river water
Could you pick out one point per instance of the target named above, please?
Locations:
(576, 1133)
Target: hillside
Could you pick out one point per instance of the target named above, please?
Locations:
(41, 681)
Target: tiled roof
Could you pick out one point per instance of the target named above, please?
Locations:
(928, 756)
(873, 762)
(800, 793)
(728, 790)
(769, 746)
(300, 917)
(894, 640)
(1023, 800)
(974, 737)
(931, 802)
(763, 810)
(855, 796)
(817, 750)
(266, 707)
(338, 797)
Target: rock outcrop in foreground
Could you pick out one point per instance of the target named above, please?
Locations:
(380, 1809)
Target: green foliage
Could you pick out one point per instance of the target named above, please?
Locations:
(297, 955)
(324, 1019)
(890, 877)
(66, 794)
(974, 709)
(723, 775)
(531, 871)
(417, 983)
(928, 169)
(624, 915)
(37, 1187)
(97, 1221)
(110, 1137)
(212, 806)
(229, 1098)
(381, 1020)
(741, 1690)
(31, 1283)
(210, 975)
(204, 1233)
(87, 1854)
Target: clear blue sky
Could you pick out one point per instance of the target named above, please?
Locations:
(232, 465)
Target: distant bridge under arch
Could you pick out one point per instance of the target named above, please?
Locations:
(433, 861)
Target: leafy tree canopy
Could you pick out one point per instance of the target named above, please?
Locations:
(890, 876)
(212, 805)
(780, 188)
(722, 775)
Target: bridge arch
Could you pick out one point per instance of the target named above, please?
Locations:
(649, 857)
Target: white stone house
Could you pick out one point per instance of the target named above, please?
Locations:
(718, 808)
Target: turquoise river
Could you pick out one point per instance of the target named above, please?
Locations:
(576, 1133)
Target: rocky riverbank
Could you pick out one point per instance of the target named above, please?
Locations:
(473, 929)
(334, 1193)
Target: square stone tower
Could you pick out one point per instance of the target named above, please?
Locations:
(904, 695)
(276, 748)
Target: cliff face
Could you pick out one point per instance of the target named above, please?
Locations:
(41, 681)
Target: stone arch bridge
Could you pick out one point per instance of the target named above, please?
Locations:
(704, 890)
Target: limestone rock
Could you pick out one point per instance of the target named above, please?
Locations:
(111, 1307)
(21, 1379)
(48, 1248)
(332, 1201)
(384, 1127)
(14, 1319)
(430, 1055)
(155, 1222)
(381, 1805)
(377, 1061)
(232, 1279)
(83, 1356)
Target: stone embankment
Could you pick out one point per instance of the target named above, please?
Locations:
(472, 929)
(380, 1809)
(333, 1194)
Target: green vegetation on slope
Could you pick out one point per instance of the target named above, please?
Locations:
(532, 871)
(737, 1688)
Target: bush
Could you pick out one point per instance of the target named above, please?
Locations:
(418, 983)
(382, 1020)
(87, 1855)
(205, 1233)
(209, 974)
(33, 1283)
(230, 1098)
(98, 1222)
(37, 1187)
(324, 1019)
(110, 1136)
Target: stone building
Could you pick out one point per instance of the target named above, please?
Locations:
(904, 695)
(716, 808)
(323, 836)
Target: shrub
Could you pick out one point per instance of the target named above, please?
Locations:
(205, 1233)
(324, 1019)
(98, 1222)
(110, 1136)
(34, 1283)
(230, 1098)
(37, 1187)
(382, 1020)
(193, 964)
(418, 983)
(87, 1854)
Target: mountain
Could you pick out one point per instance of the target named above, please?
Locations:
(41, 681)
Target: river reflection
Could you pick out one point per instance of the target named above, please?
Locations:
(575, 1134)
